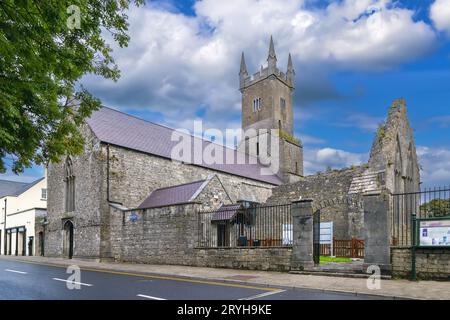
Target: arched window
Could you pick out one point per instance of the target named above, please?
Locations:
(398, 170)
(70, 186)
(409, 180)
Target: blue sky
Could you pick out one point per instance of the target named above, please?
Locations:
(352, 58)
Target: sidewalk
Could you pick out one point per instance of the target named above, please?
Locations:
(391, 288)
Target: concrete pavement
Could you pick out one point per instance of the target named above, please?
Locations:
(388, 288)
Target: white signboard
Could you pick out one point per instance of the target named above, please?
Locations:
(287, 234)
(326, 232)
(434, 233)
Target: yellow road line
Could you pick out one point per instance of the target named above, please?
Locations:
(124, 273)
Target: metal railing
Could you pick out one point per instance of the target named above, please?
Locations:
(429, 203)
(256, 226)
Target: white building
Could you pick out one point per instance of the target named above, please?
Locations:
(20, 204)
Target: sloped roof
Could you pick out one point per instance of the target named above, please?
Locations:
(178, 194)
(226, 212)
(120, 129)
(14, 188)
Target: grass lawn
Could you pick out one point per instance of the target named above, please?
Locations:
(326, 259)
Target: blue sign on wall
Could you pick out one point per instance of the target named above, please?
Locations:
(133, 217)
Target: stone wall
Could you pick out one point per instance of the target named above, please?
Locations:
(328, 190)
(133, 175)
(169, 235)
(165, 235)
(430, 263)
(90, 202)
(257, 258)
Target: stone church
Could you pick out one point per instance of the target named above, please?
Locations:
(127, 173)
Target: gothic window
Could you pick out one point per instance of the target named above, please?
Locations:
(398, 170)
(257, 104)
(70, 186)
(409, 180)
(282, 103)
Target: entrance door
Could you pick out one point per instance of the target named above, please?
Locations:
(30, 245)
(41, 243)
(223, 235)
(68, 239)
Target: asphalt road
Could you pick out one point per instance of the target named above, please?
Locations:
(30, 281)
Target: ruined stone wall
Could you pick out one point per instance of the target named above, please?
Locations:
(330, 191)
(430, 263)
(394, 151)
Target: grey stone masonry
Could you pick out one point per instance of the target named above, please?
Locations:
(302, 249)
(431, 263)
(330, 194)
(377, 230)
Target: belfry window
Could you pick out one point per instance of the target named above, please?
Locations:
(69, 186)
(282, 103)
(257, 105)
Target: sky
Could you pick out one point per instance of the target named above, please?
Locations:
(352, 59)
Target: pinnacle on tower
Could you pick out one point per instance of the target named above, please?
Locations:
(272, 58)
(243, 70)
(290, 74)
(272, 50)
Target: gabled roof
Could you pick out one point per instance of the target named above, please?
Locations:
(182, 193)
(14, 188)
(120, 129)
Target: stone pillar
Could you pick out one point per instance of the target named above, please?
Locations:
(302, 247)
(377, 227)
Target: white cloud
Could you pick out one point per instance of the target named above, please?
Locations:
(321, 159)
(440, 14)
(176, 63)
(435, 163)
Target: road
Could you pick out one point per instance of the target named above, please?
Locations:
(30, 281)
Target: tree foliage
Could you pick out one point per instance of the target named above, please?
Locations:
(436, 208)
(44, 52)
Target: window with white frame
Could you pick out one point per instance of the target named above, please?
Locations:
(257, 104)
(44, 194)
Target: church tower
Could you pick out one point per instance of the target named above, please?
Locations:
(267, 104)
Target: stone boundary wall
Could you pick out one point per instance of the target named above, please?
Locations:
(169, 235)
(252, 258)
(431, 263)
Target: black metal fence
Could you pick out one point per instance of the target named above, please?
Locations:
(428, 203)
(236, 226)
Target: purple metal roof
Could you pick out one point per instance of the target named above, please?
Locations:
(226, 212)
(171, 195)
(114, 127)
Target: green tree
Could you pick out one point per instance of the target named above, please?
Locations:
(435, 208)
(45, 49)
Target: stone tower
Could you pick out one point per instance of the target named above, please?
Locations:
(267, 105)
